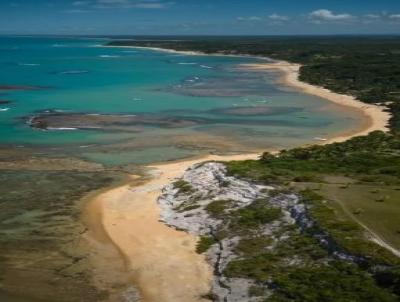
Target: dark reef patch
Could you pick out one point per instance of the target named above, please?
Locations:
(21, 87)
(256, 110)
(50, 120)
(107, 121)
(230, 86)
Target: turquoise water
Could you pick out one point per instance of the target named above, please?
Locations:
(228, 110)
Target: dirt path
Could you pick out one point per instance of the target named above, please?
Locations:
(373, 236)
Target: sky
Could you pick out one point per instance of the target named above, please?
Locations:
(199, 17)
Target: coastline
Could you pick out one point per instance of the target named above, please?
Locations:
(376, 118)
(161, 261)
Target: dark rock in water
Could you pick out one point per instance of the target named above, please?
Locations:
(40, 124)
(3, 102)
(230, 86)
(20, 87)
(56, 120)
(255, 110)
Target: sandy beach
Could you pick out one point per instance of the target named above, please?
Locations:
(376, 118)
(161, 262)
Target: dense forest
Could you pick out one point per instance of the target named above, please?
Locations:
(366, 67)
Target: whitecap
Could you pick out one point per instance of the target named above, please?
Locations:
(4, 109)
(205, 66)
(108, 56)
(137, 99)
(28, 64)
(62, 128)
(186, 63)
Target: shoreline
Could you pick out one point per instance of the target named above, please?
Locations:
(152, 250)
(376, 118)
(161, 261)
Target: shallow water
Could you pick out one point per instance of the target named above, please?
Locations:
(228, 110)
(182, 106)
(43, 255)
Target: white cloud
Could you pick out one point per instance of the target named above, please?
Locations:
(395, 17)
(325, 15)
(372, 16)
(276, 17)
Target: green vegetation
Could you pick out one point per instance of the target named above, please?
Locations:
(188, 208)
(378, 211)
(366, 67)
(373, 159)
(182, 186)
(345, 231)
(253, 245)
(204, 244)
(254, 215)
(43, 254)
(216, 209)
(367, 165)
(348, 187)
(336, 282)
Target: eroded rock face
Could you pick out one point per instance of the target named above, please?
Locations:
(209, 182)
(206, 183)
(185, 205)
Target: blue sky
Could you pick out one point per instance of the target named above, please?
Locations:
(209, 17)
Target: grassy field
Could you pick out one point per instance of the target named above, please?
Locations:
(372, 206)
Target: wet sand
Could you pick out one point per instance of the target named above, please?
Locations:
(376, 118)
(161, 262)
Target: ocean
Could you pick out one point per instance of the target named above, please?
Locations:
(74, 114)
(119, 106)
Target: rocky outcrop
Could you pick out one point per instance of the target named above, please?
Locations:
(184, 205)
(209, 182)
